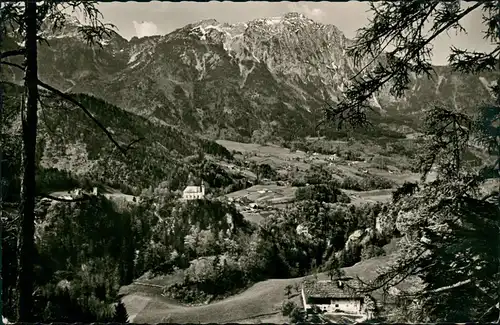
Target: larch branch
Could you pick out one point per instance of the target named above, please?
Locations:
(7, 54)
(453, 286)
(87, 112)
(15, 65)
(410, 55)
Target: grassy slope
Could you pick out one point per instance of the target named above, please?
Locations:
(260, 302)
(262, 298)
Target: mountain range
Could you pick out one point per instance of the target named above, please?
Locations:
(229, 80)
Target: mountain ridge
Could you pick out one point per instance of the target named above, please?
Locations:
(231, 80)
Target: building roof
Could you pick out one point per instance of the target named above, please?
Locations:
(192, 189)
(329, 289)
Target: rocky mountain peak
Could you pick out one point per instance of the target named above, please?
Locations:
(294, 15)
(67, 26)
(206, 22)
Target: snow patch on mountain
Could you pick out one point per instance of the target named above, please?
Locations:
(488, 85)
(200, 32)
(205, 62)
(104, 42)
(244, 72)
(136, 64)
(440, 80)
(218, 28)
(133, 57)
(273, 20)
(73, 34)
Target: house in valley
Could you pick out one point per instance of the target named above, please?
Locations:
(192, 191)
(335, 297)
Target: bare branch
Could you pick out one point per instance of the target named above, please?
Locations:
(354, 103)
(44, 119)
(489, 310)
(392, 275)
(15, 65)
(86, 111)
(133, 142)
(7, 54)
(453, 286)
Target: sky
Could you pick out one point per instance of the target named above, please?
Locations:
(159, 18)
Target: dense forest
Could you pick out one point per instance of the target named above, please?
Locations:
(87, 250)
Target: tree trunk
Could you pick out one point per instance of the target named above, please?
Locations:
(29, 127)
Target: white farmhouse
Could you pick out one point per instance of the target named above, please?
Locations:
(334, 297)
(193, 192)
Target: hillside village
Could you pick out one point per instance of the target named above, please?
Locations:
(267, 196)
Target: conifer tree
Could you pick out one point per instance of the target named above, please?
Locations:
(120, 315)
(25, 20)
(451, 230)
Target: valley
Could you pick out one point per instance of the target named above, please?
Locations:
(262, 301)
(203, 175)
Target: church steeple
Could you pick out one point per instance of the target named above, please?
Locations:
(191, 181)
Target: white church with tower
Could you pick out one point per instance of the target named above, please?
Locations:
(193, 191)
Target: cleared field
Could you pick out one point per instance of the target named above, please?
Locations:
(253, 217)
(359, 198)
(265, 193)
(272, 196)
(264, 298)
(257, 148)
(280, 162)
(279, 196)
(277, 157)
(275, 318)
